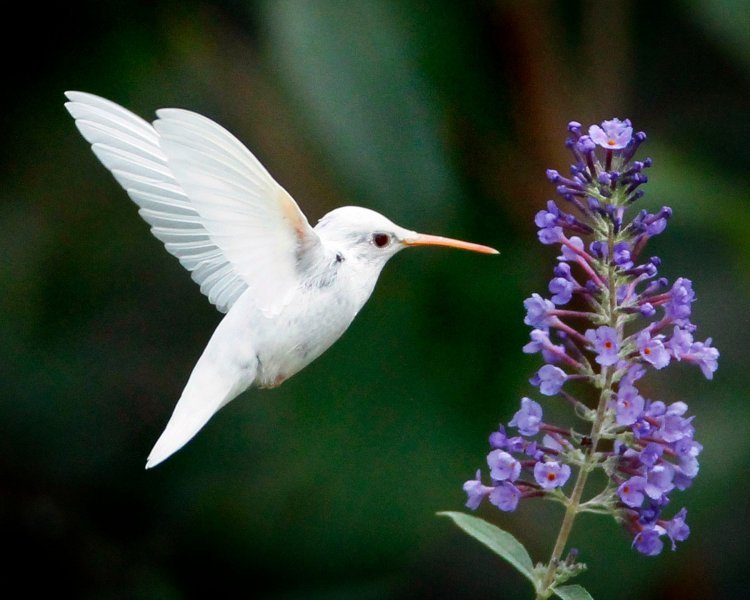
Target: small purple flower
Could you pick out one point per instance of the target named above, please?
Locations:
(621, 255)
(656, 227)
(537, 311)
(659, 481)
(656, 409)
(680, 343)
(549, 379)
(629, 405)
(654, 224)
(612, 135)
(685, 472)
(599, 249)
(531, 449)
(673, 426)
(475, 491)
(651, 454)
(516, 444)
(549, 217)
(635, 372)
(498, 439)
(505, 496)
(652, 349)
(563, 270)
(687, 448)
(585, 145)
(677, 529)
(571, 255)
(631, 491)
(648, 541)
(540, 342)
(529, 418)
(705, 356)
(550, 475)
(562, 290)
(606, 345)
(503, 466)
(680, 298)
(550, 235)
(549, 442)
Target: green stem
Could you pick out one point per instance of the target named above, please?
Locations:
(574, 502)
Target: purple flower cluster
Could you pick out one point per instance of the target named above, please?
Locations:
(660, 456)
(609, 319)
(520, 466)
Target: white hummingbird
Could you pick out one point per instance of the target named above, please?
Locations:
(288, 290)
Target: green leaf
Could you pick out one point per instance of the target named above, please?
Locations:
(500, 542)
(572, 592)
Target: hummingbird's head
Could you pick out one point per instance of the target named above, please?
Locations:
(373, 239)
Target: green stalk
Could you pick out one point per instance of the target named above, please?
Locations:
(574, 502)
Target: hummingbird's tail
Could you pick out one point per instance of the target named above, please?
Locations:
(212, 385)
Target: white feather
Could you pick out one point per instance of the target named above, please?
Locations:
(210, 201)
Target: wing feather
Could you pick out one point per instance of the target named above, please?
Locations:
(256, 223)
(205, 196)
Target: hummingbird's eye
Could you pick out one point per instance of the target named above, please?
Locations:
(381, 240)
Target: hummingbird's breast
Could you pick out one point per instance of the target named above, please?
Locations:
(313, 317)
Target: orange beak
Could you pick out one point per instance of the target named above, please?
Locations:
(435, 240)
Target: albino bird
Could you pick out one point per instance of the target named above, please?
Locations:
(288, 290)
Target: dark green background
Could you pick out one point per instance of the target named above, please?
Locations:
(442, 115)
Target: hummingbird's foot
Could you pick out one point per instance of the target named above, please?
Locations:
(275, 383)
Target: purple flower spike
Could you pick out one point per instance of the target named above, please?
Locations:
(505, 496)
(605, 343)
(608, 321)
(612, 135)
(551, 475)
(529, 418)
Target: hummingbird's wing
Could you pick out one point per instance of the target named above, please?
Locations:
(210, 201)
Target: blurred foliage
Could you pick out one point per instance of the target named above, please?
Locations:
(444, 116)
